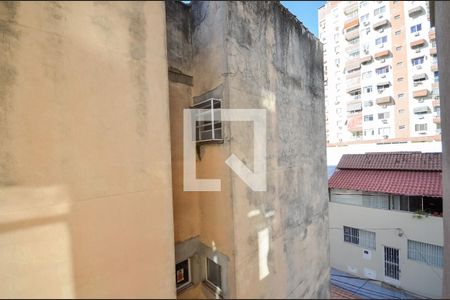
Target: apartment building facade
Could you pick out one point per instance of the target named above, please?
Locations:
(92, 198)
(381, 74)
(386, 219)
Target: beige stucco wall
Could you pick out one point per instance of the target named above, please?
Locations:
(415, 276)
(85, 171)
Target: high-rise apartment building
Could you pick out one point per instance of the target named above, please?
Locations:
(381, 74)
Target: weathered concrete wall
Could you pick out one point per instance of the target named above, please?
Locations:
(85, 172)
(255, 55)
(281, 236)
(442, 11)
(179, 53)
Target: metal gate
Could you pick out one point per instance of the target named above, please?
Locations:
(391, 263)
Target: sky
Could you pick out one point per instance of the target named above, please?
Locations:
(306, 12)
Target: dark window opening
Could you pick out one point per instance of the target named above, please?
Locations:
(213, 273)
(432, 206)
(182, 274)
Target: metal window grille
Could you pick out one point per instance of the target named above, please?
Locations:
(208, 124)
(391, 263)
(426, 253)
(351, 235)
(363, 238)
(367, 239)
(213, 273)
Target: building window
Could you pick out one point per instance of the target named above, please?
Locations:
(421, 127)
(363, 238)
(402, 127)
(183, 274)
(381, 40)
(398, 32)
(400, 79)
(383, 116)
(399, 64)
(336, 36)
(426, 253)
(398, 48)
(336, 49)
(367, 89)
(436, 76)
(401, 111)
(382, 70)
(368, 118)
(397, 17)
(379, 10)
(401, 96)
(363, 4)
(384, 131)
(369, 132)
(365, 18)
(417, 61)
(416, 28)
(213, 274)
(208, 123)
(351, 235)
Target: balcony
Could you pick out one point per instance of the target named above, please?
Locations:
(418, 43)
(352, 35)
(351, 8)
(351, 23)
(353, 74)
(366, 59)
(354, 123)
(352, 48)
(432, 34)
(436, 103)
(353, 64)
(420, 110)
(420, 93)
(385, 100)
(434, 67)
(380, 24)
(353, 87)
(416, 11)
(382, 54)
(437, 120)
(433, 51)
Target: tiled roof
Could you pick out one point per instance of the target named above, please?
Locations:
(411, 161)
(399, 173)
(410, 183)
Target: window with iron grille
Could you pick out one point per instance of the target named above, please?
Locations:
(208, 124)
(213, 274)
(363, 238)
(426, 253)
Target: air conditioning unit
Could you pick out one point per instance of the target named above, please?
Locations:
(366, 23)
(417, 34)
(417, 50)
(385, 136)
(383, 60)
(380, 16)
(383, 76)
(418, 67)
(384, 121)
(366, 51)
(421, 118)
(381, 30)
